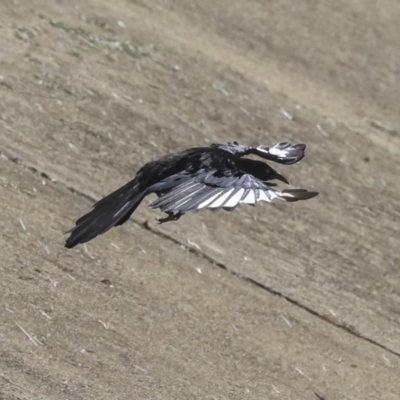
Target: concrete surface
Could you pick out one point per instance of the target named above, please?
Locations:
(282, 301)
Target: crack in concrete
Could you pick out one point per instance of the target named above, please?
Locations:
(145, 225)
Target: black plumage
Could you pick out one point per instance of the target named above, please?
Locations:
(211, 177)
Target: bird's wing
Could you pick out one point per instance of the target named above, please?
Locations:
(211, 190)
(282, 153)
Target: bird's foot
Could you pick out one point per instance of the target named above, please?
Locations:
(171, 217)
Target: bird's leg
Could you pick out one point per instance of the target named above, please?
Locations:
(171, 217)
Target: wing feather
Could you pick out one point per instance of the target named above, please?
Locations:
(249, 197)
(234, 200)
(221, 200)
(205, 202)
(211, 189)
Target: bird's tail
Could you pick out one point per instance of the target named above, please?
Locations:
(113, 210)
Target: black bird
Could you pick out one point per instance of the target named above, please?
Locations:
(211, 177)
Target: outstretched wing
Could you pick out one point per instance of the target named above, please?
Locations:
(225, 192)
(283, 153)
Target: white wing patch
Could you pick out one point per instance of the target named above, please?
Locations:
(235, 196)
(264, 196)
(221, 200)
(278, 152)
(235, 199)
(250, 198)
(206, 202)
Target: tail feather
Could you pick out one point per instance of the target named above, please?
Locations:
(113, 210)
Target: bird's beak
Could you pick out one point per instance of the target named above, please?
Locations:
(280, 177)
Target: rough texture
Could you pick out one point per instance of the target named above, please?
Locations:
(279, 301)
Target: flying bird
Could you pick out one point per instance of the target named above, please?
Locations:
(212, 177)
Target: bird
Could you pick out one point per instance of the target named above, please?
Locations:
(210, 177)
